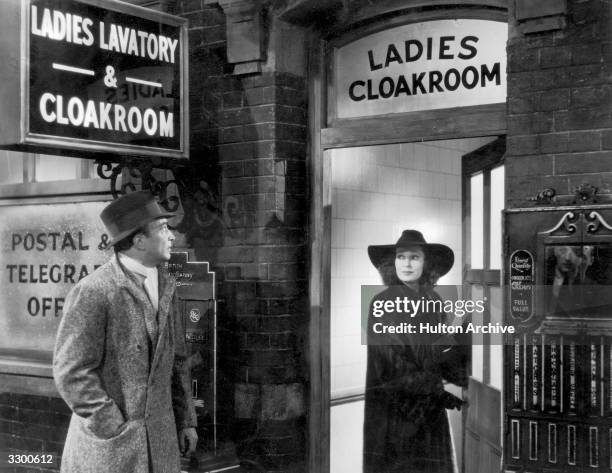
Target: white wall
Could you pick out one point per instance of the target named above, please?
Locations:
(377, 192)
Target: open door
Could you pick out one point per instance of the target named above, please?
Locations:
(483, 202)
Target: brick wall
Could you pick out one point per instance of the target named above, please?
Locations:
(249, 135)
(261, 153)
(559, 121)
(559, 98)
(251, 130)
(32, 424)
(36, 424)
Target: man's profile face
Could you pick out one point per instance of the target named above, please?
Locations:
(157, 242)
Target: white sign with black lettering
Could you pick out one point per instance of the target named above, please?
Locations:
(422, 66)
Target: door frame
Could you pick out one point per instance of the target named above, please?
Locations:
(452, 123)
(482, 397)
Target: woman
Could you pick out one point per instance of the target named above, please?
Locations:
(405, 426)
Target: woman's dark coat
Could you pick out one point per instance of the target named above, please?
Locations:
(405, 427)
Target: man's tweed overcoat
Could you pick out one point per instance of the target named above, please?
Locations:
(129, 393)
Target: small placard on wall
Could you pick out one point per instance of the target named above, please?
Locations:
(521, 284)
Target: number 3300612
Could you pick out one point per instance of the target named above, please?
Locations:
(28, 459)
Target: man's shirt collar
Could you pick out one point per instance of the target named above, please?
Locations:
(136, 266)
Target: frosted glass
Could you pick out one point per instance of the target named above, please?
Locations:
(346, 437)
(477, 220)
(497, 205)
(11, 167)
(496, 362)
(57, 168)
(477, 347)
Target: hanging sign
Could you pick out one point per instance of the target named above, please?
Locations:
(421, 66)
(102, 76)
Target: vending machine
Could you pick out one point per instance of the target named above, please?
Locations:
(558, 364)
(197, 304)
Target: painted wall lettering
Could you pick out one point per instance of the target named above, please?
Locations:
(44, 251)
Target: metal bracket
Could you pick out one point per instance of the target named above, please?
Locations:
(583, 194)
(138, 169)
(586, 193)
(544, 197)
(198, 199)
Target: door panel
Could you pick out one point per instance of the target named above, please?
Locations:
(477, 371)
(472, 442)
(483, 201)
(496, 361)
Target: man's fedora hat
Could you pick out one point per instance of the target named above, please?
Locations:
(439, 257)
(131, 212)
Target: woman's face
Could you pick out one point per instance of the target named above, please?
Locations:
(409, 264)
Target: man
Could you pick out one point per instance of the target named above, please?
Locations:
(120, 356)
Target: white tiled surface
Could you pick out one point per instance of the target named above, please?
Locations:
(377, 192)
(346, 445)
(346, 442)
(57, 168)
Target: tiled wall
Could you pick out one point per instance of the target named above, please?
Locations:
(378, 191)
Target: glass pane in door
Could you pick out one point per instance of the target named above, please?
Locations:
(477, 338)
(497, 205)
(476, 221)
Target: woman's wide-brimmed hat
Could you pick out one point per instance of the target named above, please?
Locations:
(440, 257)
(131, 212)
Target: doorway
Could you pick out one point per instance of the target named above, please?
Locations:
(376, 192)
(483, 200)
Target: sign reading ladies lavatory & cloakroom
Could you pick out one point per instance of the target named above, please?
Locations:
(83, 76)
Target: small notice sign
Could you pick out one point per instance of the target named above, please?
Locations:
(195, 288)
(521, 284)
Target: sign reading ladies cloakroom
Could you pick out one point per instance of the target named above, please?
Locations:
(104, 76)
(421, 66)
